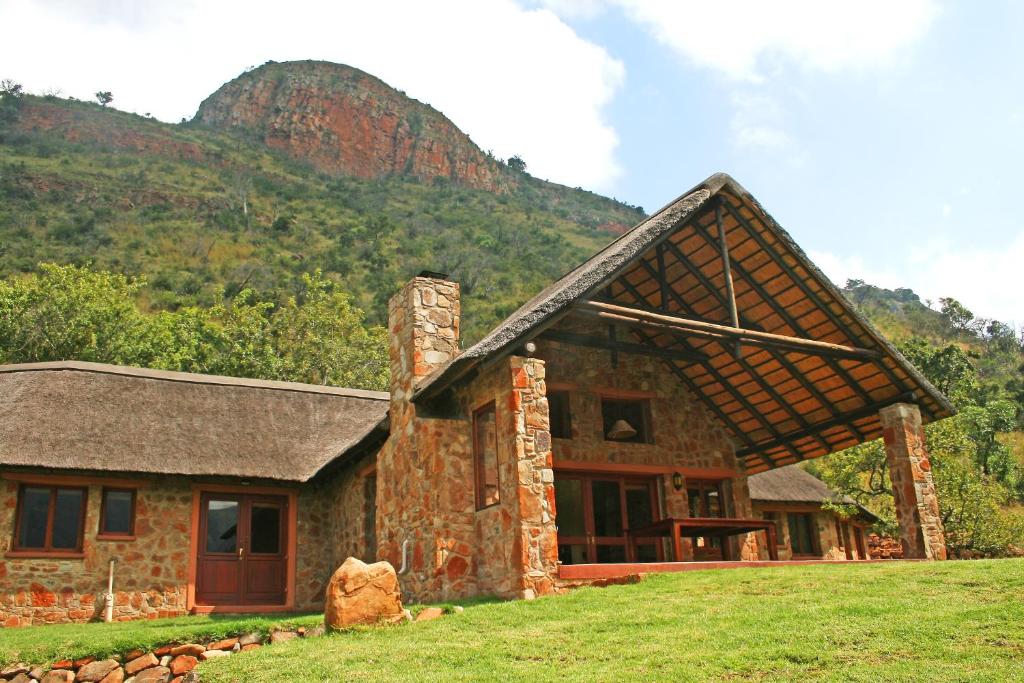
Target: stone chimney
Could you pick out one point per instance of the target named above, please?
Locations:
(423, 321)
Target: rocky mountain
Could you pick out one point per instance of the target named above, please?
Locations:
(289, 168)
(345, 121)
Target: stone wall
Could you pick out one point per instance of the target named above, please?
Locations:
(151, 572)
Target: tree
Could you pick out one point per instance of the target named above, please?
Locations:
(8, 88)
(956, 315)
(10, 99)
(104, 97)
(516, 163)
(321, 339)
(70, 312)
(75, 313)
(949, 368)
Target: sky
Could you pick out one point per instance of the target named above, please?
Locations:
(885, 136)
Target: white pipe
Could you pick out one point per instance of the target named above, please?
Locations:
(405, 557)
(108, 599)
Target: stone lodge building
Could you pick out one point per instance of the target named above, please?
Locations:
(616, 423)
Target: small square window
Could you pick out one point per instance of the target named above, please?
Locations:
(560, 414)
(117, 515)
(626, 420)
(50, 519)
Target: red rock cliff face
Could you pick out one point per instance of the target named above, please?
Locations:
(344, 121)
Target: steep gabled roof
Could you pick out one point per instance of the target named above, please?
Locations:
(779, 405)
(90, 416)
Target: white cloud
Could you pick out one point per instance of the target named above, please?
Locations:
(980, 278)
(753, 42)
(517, 81)
(757, 122)
(742, 37)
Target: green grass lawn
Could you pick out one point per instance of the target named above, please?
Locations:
(45, 644)
(951, 621)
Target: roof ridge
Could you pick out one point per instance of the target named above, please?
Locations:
(194, 378)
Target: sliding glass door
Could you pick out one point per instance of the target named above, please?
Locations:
(593, 513)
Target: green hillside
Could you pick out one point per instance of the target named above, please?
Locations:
(204, 214)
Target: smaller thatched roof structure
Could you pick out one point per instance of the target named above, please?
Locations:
(88, 416)
(791, 484)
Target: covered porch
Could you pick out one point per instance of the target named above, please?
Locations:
(714, 352)
(696, 350)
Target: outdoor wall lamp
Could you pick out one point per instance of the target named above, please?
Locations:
(677, 481)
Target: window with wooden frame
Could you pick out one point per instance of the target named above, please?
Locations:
(117, 514)
(560, 414)
(803, 533)
(626, 420)
(485, 456)
(49, 519)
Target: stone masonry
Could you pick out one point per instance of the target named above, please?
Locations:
(917, 504)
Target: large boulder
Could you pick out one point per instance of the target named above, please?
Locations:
(361, 593)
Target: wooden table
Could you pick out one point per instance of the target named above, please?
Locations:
(693, 527)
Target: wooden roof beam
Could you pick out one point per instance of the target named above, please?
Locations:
(610, 344)
(687, 326)
(846, 418)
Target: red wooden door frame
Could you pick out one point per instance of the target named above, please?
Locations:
(289, 526)
(590, 540)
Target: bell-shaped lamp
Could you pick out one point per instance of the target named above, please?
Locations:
(621, 430)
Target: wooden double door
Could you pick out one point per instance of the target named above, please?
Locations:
(242, 550)
(593, 512)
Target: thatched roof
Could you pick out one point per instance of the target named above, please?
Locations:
(89, 416)
(791, 484)
(779, 405)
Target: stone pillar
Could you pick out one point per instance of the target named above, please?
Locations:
(917, 504)
(536, 539)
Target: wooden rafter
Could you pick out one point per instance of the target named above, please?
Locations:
(793, 324)
(700, 328)
(858, 414)
(766, 387)
(799, 281)
(612, 344)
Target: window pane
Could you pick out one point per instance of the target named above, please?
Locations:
(265, 529)
(35, 505)
(117, 512)
(67, 519)
(693, 500)
(561, 416)
(569, 507)
(633, 413)
(607, 508)
(638, 506)
(714, 504)
(800, 533)
(221, 526)
(485, 443)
